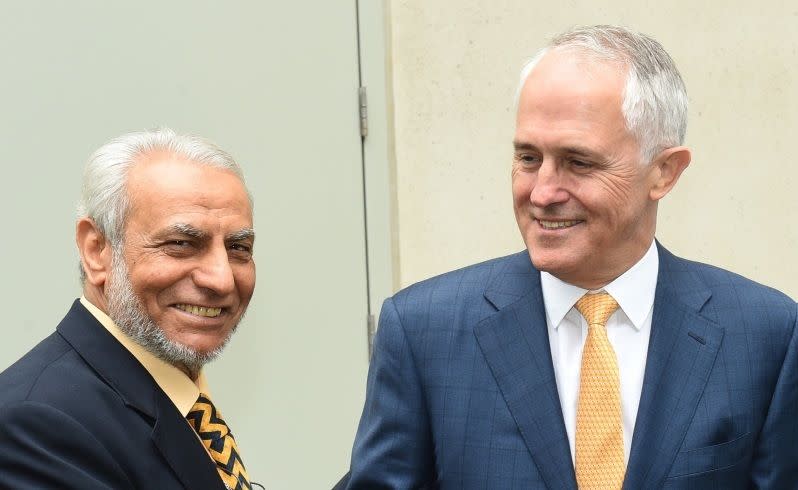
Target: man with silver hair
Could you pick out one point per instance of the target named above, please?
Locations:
(594, 359)
(115, 398)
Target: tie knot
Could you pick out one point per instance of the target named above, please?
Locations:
(597, 308)
(204, 417)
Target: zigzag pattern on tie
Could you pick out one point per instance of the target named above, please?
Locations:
(208, 424)
(228, 457)
(235, 482)
(203, 414)
(220, 443)
(234, 472)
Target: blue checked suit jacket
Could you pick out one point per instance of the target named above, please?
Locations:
(461, 390)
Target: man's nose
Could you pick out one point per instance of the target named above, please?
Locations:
(214, 271)
(549, 186)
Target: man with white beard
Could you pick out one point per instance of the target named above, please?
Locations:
(115, 398)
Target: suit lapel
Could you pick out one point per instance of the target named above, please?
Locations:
(681, 352)
(120, 370)
(182, 449)
(515, 344)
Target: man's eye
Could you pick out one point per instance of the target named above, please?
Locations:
(241, 247)
(528, 159)
(580, 164)
(177, 246)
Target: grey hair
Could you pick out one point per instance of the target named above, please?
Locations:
(104, 196)
(655, 99)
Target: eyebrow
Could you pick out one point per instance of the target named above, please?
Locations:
(570, 150)
(523, 146)
(194, 232)
(186, 229)
(241, 235)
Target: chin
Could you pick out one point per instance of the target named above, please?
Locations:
(204, 347)
(543, 260)
(552, 262)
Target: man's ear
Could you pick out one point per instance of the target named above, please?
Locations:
(95, 252)
(667, 168)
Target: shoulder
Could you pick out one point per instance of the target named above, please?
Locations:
(53, 374)
(725, 283)
(56, 414)
(466, 281)
(734, 299)
(52, 358)
(454, 300)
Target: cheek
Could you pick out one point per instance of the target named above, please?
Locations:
(145, 284)
(155, 285)
(616, 192)
(624, 211)
(615, 197)
(522, 189)
(245, 280)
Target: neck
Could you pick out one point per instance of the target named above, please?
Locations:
(601, 276)
(191, 373)
(96, 297)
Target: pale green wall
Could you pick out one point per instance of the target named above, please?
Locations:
(274, 83)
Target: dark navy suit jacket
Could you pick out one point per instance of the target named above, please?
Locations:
(80, 412)
(461, 389)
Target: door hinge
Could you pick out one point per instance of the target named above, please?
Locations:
(364, 112)
(370, 331)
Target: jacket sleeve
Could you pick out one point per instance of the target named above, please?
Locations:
(392, 449)
(775, 458)
(44, 448)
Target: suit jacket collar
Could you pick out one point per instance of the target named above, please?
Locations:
(515, 344)
(113, 363)
(516, 279)
(681, 353)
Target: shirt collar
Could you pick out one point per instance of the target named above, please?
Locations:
(633, 290)
(175, 383)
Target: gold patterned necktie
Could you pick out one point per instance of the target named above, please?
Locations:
(599, 433)
(219, 442)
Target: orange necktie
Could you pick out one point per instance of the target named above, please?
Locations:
(599, 433)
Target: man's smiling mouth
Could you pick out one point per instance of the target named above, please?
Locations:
(206, 311)
(556, 225)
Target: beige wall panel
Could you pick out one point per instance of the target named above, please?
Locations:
(455, 65)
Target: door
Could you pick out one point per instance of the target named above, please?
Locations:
(274, 83)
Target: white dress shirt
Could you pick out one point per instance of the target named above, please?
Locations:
(628, 330)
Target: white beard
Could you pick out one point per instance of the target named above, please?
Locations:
(129, 314)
